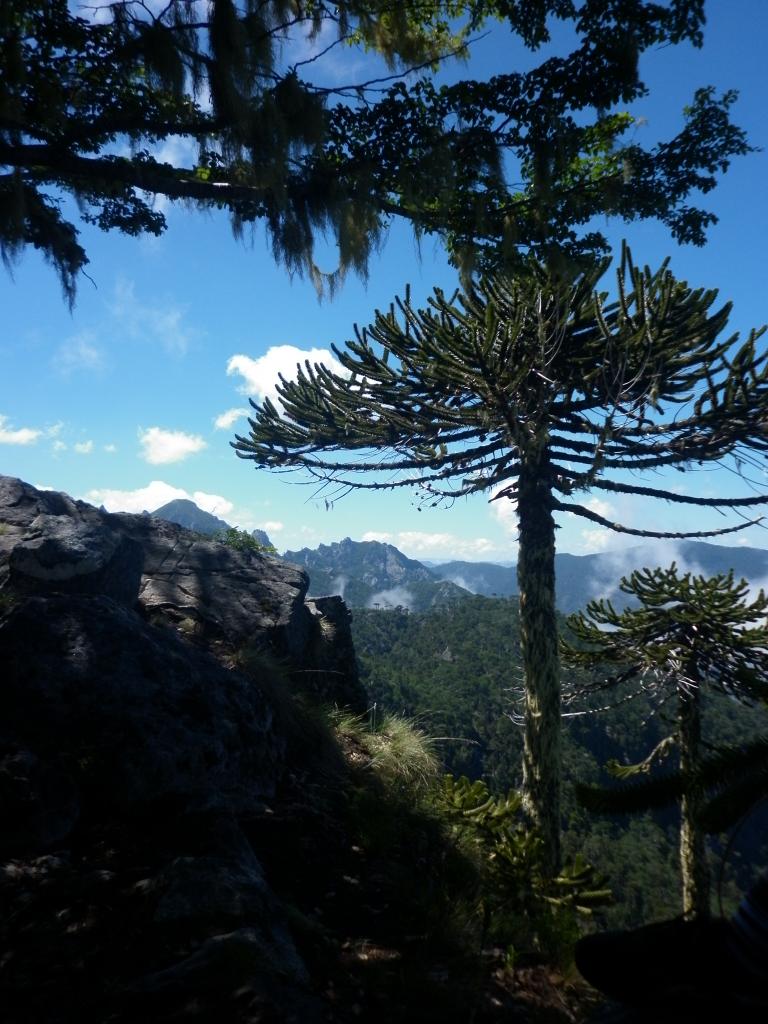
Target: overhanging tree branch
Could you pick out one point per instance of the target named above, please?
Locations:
(280, 149)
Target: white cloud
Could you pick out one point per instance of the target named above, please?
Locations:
(158, 493)
(260, 376)
(164, 446)
(84, 447)
(59, 446)
(272, 526)
(599, 538)
(596, 539)
(153, 323)
(600, 507)
(213, 503)
(154, 495)
(418, 544)
(503, 510)
(441, 543)
(110, 449)
(79, 352)
(393, 598)
(21, 435)
(618, 561)
(228, 418)
(178, 150)
(147, 498)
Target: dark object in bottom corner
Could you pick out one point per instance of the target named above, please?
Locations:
(672, 970)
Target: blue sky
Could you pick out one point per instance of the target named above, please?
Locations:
(131, 399)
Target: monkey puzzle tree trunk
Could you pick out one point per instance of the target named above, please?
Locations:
(541, 661)
(694, 868)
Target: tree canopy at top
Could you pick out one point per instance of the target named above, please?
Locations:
(228, 104)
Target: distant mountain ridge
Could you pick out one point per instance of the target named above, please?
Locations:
(582, 578)
(186, 513)
(369, 574)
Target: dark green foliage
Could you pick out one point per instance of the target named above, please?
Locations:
(689, 631)
(571, 167)
(464, 694)
(241, 540)
(466, 395)
(734, 778)
(450, 669)
(277, 145)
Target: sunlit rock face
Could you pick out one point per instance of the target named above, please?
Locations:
(142, 733)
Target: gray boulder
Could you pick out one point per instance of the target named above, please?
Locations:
(52, 544)
(218, 594)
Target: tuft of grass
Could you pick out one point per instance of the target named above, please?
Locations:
(401, 754)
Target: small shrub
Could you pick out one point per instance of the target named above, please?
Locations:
(522, 909)
(241, 540)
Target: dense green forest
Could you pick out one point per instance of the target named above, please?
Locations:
(453, 670)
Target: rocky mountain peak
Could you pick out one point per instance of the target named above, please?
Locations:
(186, 513)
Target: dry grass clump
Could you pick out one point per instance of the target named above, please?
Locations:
(397, 750)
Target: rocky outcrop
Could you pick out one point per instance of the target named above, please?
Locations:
(134, 752)
(52, 544)
(218, 597)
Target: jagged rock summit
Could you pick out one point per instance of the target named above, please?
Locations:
(140, 730)
(373, 574)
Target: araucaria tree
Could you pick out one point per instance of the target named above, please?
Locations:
(688, 635)
(535, 391)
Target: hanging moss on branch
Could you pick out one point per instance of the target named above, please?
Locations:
(237, 105)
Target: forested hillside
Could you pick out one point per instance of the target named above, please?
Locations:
(457, 671)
